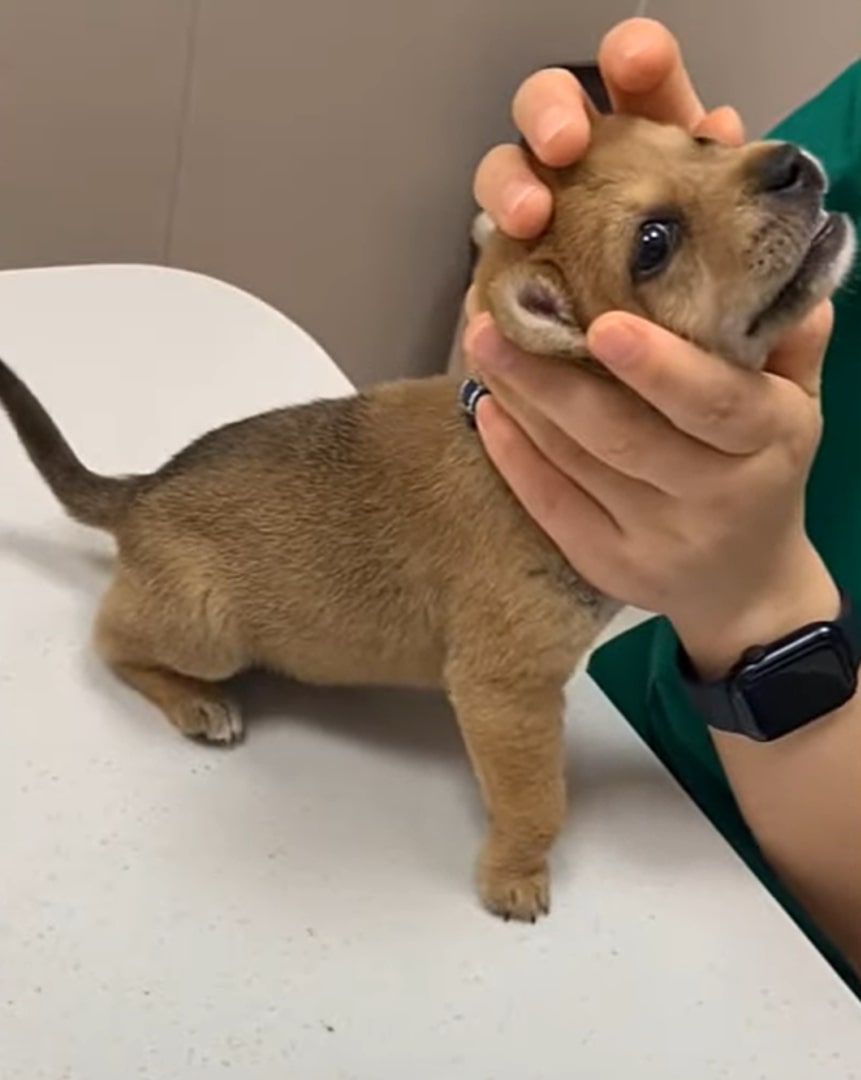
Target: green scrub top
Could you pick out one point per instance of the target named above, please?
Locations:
(637, 670)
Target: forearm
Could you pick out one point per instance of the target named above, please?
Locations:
(800, 795)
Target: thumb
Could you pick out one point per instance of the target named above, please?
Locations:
(799, 355)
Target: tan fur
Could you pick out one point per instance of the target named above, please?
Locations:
(368, 540)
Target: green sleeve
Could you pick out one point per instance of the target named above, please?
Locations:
(638, 670)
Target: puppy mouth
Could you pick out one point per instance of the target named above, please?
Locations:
(827, 242)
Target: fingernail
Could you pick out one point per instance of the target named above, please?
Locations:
(616, 342)
(483, 413)
(515, 195)
(632, 50)
(554, 121)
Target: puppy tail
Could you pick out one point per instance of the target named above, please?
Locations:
(99, 501)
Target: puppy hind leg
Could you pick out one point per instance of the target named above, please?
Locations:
(197, 709)
(173, 666)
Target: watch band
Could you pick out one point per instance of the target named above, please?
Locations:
(775, 689)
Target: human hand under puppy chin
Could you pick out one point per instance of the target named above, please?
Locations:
(685, 497)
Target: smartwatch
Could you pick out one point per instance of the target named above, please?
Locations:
(778, 688)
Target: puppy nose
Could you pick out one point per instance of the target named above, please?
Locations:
(786, 170)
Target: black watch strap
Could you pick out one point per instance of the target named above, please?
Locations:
(775, 689)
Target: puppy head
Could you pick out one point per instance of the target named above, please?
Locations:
(724, 246)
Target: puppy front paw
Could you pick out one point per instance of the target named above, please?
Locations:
(512, 895)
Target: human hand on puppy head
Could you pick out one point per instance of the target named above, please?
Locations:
(642, 67)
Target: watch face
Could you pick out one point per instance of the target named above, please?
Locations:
(793, 684)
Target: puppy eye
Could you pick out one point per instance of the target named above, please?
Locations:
(656, 242)
(704, 140)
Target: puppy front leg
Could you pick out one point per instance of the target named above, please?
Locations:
(513, 733)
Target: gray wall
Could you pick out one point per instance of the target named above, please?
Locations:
(765, 56)
(320, 154)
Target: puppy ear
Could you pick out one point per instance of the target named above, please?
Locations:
(533, 309)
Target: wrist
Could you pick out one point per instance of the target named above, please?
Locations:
(802, 592)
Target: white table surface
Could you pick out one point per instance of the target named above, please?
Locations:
(300, 908)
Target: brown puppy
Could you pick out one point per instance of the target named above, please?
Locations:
(369, 540)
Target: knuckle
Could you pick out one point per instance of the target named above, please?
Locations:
(618, 448)
(797, 437)
(616, 428)
(721, 409)
(619, 440)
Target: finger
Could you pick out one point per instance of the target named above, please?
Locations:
(642, 67)
(549, 112)
(799, 356)
(706, 397)
(505, 186)
(577, 524)
(723, 124)
(621, 495)
(617, 429)
(470, 304)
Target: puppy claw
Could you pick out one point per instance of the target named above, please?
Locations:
(212, 721)
(517, 896)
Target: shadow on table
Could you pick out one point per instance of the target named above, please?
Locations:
(412, 722)
(68, 562)
(421, 724)
(620, 802)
